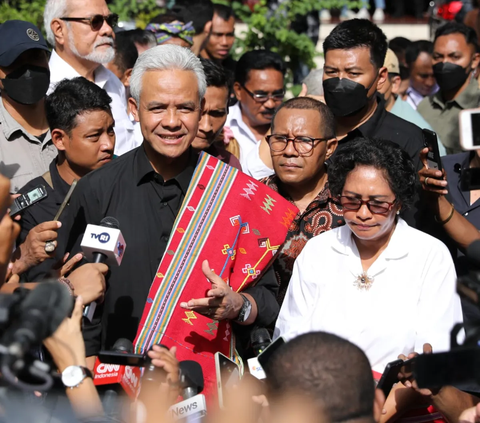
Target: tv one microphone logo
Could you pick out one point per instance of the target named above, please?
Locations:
(103, 238)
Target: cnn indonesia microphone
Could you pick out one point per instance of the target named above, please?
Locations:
(103, 244)
(193, 407)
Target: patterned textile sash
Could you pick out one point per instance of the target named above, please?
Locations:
(237, 224)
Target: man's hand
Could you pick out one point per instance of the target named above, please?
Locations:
(67, 266)
(406, 374)
(221, 303)
(89, 281)
(66, 345)
(166, 360)
(9, 231)
(32, 251)
(470, 415)
(432, 180)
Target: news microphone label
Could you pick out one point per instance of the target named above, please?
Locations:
(104, 240)
(195, 407)
(256, 369)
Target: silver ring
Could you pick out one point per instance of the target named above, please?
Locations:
(50, 247)
(426, 180)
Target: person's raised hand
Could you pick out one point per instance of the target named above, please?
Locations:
(67, 266)
(406, 373)
(432, 180)
(66, 345)
(221, 302)
(89, 281)
(32, 251)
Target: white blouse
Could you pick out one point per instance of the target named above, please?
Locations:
(412, 300)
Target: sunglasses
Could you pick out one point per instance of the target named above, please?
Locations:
(96, 21)
(375, 206)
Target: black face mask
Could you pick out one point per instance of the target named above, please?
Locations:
(27, 85)
(449, 75)
(344, 96)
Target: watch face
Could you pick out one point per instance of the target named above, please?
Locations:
(72, 376)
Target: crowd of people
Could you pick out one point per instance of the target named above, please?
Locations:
(317, 217)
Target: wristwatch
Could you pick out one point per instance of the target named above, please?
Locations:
(245, 310)
(73, 376)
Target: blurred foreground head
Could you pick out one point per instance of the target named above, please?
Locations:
(331, 372)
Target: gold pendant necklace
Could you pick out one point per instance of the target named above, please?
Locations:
(363, 281)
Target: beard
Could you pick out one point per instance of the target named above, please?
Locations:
(100, 57)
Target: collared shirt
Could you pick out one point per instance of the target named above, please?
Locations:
(321, 215)
(415, 274)
(146, 206)
(256, 168)
(386, 126)
(403, 110)
(124, 131)
(22, 155)
(443, 116)
(242, 133)
(414, 98)
(43, 211)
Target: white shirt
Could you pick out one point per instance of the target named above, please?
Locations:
(412, 300)
(243, 134)
(414, 98)
(124, 134)
(255, 167)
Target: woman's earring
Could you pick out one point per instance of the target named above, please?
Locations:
(398, 212)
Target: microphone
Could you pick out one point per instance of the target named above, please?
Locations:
(260, 339)
(38, 317)
(193, 407)
(153, 374)
(115, 377)
(103, 244)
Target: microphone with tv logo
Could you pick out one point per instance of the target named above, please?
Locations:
(116, 379)
(103, 244)
(260, 339)
(193, 407)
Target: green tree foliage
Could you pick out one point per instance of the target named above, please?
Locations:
(24, 10)
(271, 29)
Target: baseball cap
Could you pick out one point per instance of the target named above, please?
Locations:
(391, 62)
(17, 37)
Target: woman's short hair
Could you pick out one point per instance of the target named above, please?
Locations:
(384, 155)
(166, 57)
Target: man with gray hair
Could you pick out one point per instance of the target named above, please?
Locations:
(82, 36)
(144, 190)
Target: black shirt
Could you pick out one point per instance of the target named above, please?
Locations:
(146, 206)
(385, 125)
(43, 211)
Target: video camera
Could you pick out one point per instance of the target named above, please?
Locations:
(27, 317)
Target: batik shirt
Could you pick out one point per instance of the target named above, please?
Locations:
(321, 215)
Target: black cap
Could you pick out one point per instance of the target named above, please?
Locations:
(17, 37)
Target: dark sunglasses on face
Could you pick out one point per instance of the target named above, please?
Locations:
(96, 21)
(262, 98)
(375, 206)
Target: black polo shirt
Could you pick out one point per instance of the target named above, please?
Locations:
(386, 126)
(43, 211)
(146, 206)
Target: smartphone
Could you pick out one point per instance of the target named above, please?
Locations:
(26, 200)
(268, 353)
(122, 358)
(228, 375)
(470, 179)
(65, 200)
(390, 374)
(430, 140)
(469, 122)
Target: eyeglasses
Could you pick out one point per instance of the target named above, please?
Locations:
(96, 21)
(302, 145)
(262, 98)
(375, 206)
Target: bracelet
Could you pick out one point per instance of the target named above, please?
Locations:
(443, 222)
(68, 284)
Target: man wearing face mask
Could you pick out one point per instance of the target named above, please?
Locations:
(354, 56)
(82, 36)
(26, 147)
(455, 58)
(354, 69)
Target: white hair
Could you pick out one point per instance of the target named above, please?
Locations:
(166, 57)
(53, 9)
(314, 82)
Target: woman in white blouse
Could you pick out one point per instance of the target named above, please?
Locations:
(376, 281)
